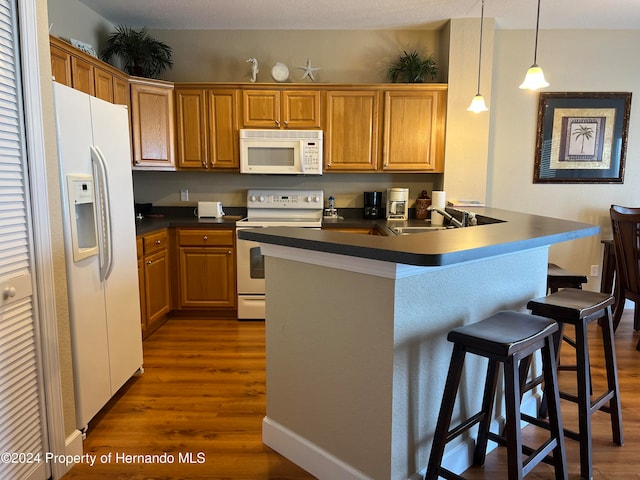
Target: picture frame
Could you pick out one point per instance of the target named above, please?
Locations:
(582, 137)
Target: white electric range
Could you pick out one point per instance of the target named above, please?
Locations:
(269, 208)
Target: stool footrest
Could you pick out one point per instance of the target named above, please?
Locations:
(595, 405)
(466, 425)
(535, 456)
(539, 455)
(448, 474)
(538, 422)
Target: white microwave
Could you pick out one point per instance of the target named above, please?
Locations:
(297, 152)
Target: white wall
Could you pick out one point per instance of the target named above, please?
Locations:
(573, 61)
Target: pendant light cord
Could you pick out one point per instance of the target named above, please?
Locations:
(535, 50)
(480, 53)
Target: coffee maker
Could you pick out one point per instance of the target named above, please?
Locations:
(397, 203)
(372, 204)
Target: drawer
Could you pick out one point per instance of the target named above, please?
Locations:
(205, 237)
(155, 241)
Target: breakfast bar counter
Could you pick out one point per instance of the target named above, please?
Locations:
(356, 330)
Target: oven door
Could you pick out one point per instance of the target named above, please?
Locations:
(250, 273)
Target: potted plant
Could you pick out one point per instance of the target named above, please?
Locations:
(412, 67)
(141, 54)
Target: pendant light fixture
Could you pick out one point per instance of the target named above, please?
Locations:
(478, 104)
(534, 80)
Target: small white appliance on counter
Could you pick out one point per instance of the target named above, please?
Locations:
(210, 210)
(294, 152)
(100, 246)
(397, 203)
(269, 208)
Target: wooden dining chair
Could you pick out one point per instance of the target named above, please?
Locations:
(625, 223)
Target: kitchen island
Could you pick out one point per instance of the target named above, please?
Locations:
(356, 331)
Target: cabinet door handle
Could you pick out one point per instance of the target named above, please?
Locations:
(286, 123)
(277, 123)
(149, 262)
(229, 252)
(158, 242)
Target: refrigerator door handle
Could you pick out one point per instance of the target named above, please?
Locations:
(105, 210)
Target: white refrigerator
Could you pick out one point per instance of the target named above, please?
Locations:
(100, 246)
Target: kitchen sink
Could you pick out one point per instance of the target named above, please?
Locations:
(415, 229)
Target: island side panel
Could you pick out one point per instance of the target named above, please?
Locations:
(329, 337)
(427, 307)
(356, 363)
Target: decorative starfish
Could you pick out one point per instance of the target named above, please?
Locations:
(308, 71)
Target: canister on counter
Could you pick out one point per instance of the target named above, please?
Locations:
(422, 205)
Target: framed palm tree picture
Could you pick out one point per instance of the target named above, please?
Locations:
(582, 137)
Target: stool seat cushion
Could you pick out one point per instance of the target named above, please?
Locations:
(504, 333)
(571, 304)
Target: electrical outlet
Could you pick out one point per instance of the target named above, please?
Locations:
(594, 270)
(184, 195)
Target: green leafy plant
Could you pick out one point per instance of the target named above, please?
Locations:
(141, 54)
(412, 67)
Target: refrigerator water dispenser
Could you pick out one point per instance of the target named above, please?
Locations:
(83, 219)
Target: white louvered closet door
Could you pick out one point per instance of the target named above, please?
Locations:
(21, 399)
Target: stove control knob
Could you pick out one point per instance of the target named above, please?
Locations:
(262, 199)
(252, 198)
(308, 199)
(316, 199)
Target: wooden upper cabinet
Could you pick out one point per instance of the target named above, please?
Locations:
(61, 66)
(103, 85)
(191, 130)
(301, 109)
(281, 109)
(121, 94)
(83, 72)
(152, 124)
(82, 76)
(207, 128)
(351, 130)
(223, 128)
(414, 123)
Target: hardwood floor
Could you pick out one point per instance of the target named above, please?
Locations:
(203, 393)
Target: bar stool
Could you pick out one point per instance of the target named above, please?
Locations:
(506, 337)
(558, 278)
(579, 308)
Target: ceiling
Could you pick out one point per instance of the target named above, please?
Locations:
(364, 14)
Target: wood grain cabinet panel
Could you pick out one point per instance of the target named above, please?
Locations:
(207, 128)
(207, 270)
(152, 124)
(61, 66)
(281, 109)
(82, 75)
(414, 125)
(153, 279)
(351, 130)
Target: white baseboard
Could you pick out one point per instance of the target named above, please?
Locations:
(325, 466)
(73, 446)
(306, 454)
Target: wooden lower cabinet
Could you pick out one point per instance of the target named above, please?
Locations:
(207, 268)
(154, 280)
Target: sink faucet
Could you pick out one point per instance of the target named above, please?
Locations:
(453, 221)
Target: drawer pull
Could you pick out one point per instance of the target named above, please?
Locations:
(205, 238)
(149, 262)
(158, 242)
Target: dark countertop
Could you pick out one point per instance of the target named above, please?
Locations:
(516, 232)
